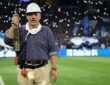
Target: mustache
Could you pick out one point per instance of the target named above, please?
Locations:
(33, 20)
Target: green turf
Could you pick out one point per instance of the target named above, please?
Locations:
(71, 71)
(8, 71)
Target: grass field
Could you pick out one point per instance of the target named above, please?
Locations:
(71, 71)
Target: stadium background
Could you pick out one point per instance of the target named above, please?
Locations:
(85, 21)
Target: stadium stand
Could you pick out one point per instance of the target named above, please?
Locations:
(81, 18)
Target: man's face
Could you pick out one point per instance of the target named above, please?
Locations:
(33, 19)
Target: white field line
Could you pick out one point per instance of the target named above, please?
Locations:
(1, 81)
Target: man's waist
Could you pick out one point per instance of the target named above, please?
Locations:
(36, 62)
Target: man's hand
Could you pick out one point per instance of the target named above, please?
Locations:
(53, 74)
(15, 19)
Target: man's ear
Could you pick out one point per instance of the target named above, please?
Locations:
(40, 16)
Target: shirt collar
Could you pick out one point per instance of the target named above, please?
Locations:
(34, 30)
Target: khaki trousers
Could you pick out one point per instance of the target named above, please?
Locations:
(38, 76)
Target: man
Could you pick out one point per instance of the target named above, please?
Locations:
(37, 47)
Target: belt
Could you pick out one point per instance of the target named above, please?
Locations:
(35, 64)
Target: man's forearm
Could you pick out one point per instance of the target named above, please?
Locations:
(53, 60)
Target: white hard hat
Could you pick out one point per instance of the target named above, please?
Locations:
(33, 7)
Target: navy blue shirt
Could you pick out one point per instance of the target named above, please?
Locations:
(38, 46)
